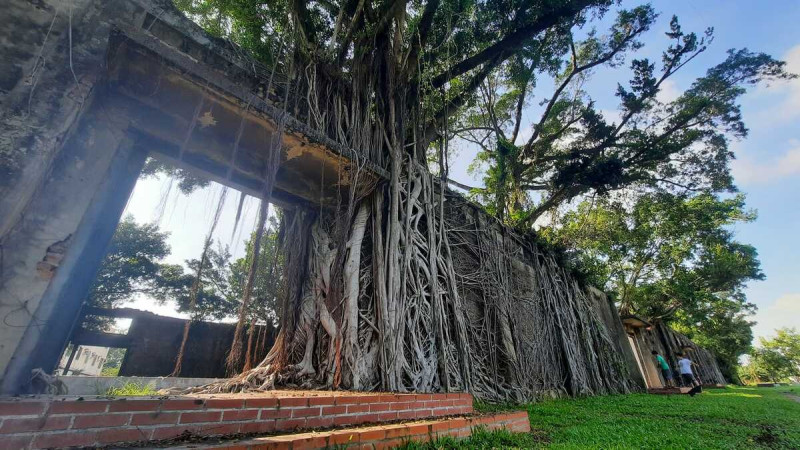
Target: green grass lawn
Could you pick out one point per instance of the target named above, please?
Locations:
(734, 417)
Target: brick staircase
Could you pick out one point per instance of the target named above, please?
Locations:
(277, 419)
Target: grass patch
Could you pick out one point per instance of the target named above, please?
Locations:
(481, 438)
(733, 417)
(130, 389)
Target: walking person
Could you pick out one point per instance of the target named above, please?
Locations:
(665, 370)
(687, 375)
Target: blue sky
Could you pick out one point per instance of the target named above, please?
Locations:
(767, 168)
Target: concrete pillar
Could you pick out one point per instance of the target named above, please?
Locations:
(53, 254)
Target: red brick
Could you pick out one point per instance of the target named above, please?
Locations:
(48, 423)
(433, 404)
(319, 401)
(289, 424)
(442, 425)
(404, 415)
(351, 409)
(370, 418)
(402, 406)
(155, 418)
(61, 440)
(343, 438)
(123, 435)
(423, 397)
(201, 416)
(217, 429)
(15, 442)
(183, 404)
(454, 396)
(21, 408)
(388, 398)
(348, 400)
(389, 444)
(386, 416)
(240, 414)
(171, 432)
(275, 413)
(331, 410)
(125, 405)
(347, 420)
(377, 407)
(422, 413)
(261, 403)
(396, 431)
(264, 426)
(224, 403)
(308, 440)
(71, 406)
(306, 412)
(100, 421)
(292, 402)
(458, 423)
(372, 435)
(319, 422)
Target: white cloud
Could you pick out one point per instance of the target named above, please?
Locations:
(784, 312)
(669, 91)
(789, 107)
(748, 170)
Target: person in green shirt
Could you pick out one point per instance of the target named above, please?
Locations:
(665, 371)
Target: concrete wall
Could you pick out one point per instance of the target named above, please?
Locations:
(52, 165)
(152, 353)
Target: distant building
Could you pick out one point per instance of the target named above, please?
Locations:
(88, 361)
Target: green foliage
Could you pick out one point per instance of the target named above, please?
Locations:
(130, 389)
(776, 360)
(132, 264)
(113, 362)
(188, 182)
(671, 258)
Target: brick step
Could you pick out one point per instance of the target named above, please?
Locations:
(374, 437)
(44, 422)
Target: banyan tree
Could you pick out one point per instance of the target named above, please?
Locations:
(398, 283)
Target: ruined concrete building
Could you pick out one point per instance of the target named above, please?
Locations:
(88, 91)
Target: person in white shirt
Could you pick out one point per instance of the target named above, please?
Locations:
(687, 375)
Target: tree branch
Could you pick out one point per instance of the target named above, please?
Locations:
(512, 42)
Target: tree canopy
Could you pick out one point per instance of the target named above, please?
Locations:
(671, 258)
(577, 149)
(134, 266)
(775, 360)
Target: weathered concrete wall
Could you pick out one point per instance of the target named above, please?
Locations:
(51, 168)
(40, 241)
(153, 354)
(531, 322)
